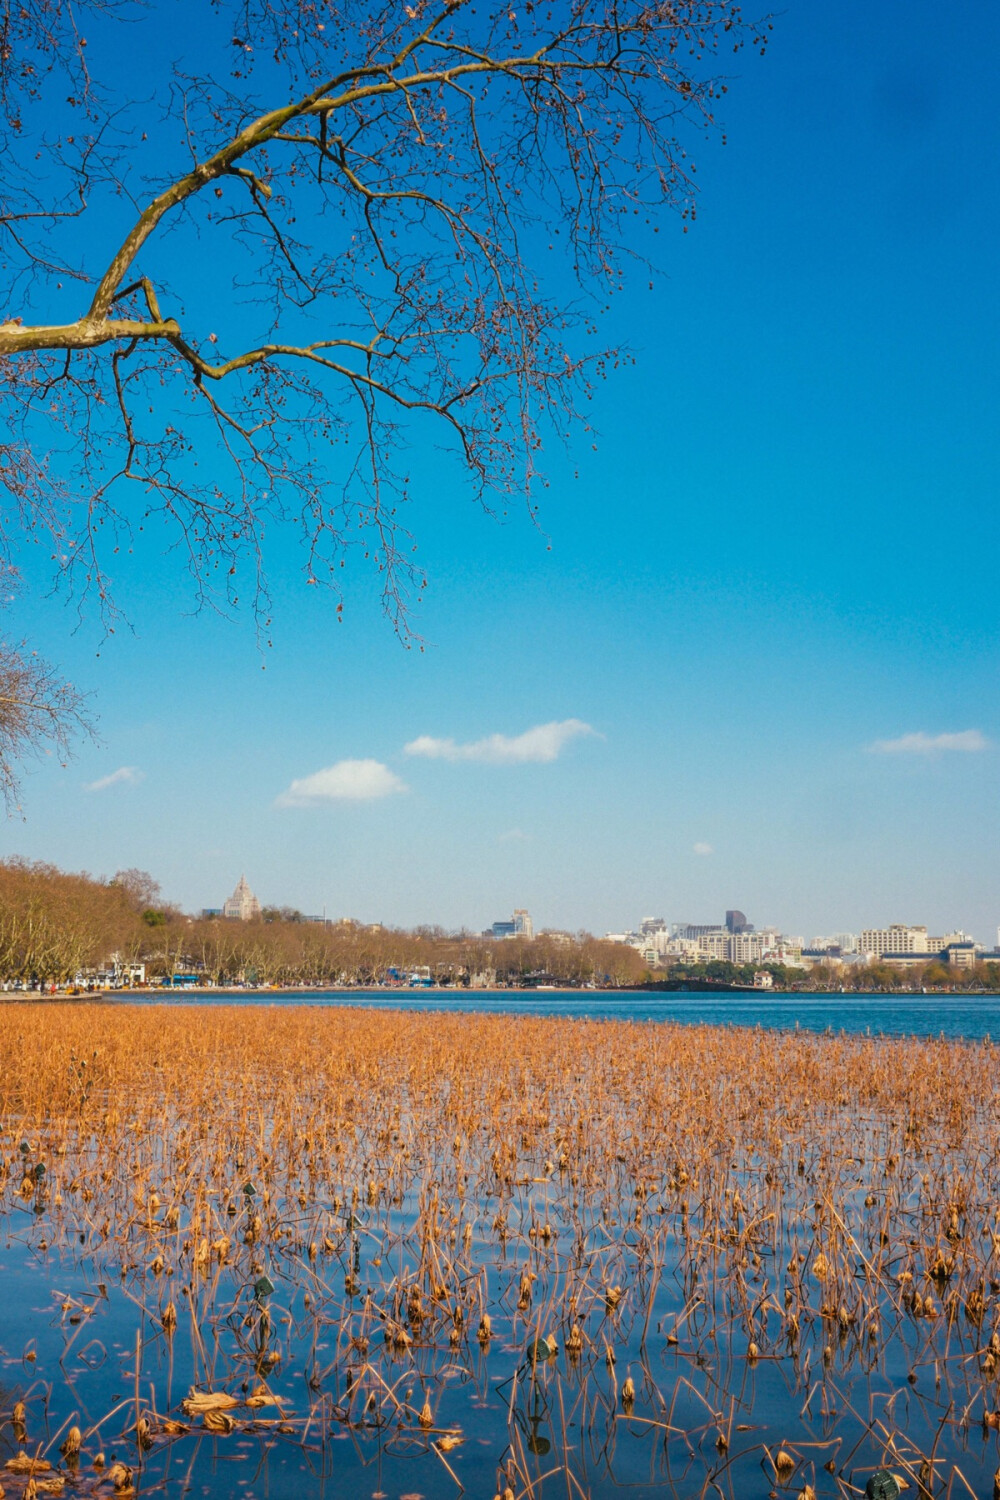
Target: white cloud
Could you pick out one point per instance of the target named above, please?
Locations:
(931, 744)
(702, 848)
(540, 744)
(347, 781)
(124, 776)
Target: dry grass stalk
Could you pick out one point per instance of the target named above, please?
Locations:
(277, 1181)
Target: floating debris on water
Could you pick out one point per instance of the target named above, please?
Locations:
(766, 1261)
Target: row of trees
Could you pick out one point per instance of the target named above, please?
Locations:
(722, 971)
(296, 953)
(55, 926)
(933, 975)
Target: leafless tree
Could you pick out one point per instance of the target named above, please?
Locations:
(39, 713)
(232, 304)
(142, 891)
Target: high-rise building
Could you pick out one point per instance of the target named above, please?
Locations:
(242, 905)
(736, 921)
(714, 944)
(520, 925)
(897, 938)
(745, 947)
(937, 944)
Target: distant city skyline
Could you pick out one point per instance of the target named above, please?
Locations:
(900, 945)
(733, 937)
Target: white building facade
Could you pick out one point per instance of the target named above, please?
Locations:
(898, 938)
(242, 905)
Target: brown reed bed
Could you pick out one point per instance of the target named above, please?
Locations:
(519, 1256)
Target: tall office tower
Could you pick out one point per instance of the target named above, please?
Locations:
(242, 905)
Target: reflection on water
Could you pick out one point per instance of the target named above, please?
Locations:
(268, 1251)
(974, 1017)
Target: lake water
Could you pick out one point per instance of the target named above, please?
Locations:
(353, 1227)
(968, 1017)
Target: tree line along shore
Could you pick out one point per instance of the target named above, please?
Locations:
(61, 930)
(57, 929)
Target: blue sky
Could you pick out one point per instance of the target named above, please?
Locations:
(782, 553)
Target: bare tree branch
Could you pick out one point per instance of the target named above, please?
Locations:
(39, 714)
(374, 246)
